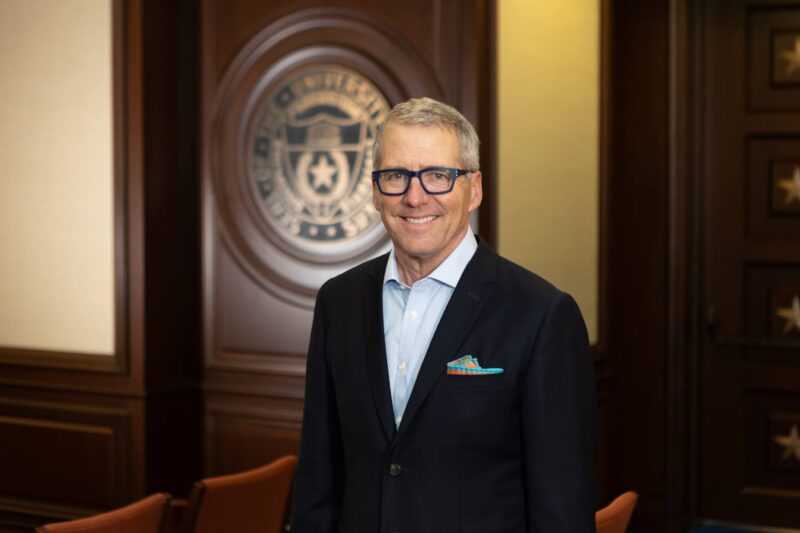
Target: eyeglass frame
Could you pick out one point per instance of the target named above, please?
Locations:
(455, 173)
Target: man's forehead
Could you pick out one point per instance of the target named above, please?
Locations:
(394, 126)
(419, 136)
(415, 145)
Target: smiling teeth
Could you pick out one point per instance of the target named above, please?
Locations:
(421, 220)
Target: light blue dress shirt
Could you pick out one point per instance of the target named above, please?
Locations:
(411, 315)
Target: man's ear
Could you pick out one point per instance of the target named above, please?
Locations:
(475, 190)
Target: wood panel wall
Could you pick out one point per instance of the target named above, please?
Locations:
(257, 313)
(179, 399)
(638, 255)
(702, 111)
(81, 433)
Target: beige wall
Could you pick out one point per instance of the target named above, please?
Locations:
(56, 263)
(548, 139)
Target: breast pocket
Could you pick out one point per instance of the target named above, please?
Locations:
(476, 381)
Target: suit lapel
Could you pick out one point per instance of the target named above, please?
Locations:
(469, 297)
(375, 346)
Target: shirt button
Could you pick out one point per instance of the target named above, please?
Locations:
(402, 367)
(395, 469)
(413, 315)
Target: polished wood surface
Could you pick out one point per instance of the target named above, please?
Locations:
(701, 258)
(637, 193)
(749, 355)
(257, 319)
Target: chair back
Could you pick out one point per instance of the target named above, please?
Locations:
(615, 517)
(253, 501)
(144, 516)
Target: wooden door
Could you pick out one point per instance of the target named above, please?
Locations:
(292, 92)
(749, 358)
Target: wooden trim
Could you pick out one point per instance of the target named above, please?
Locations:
(120, 212)
(292, 365)
(54, 413)
(210, 239)
(487, 122)
(50, 511)
(771, 491)
(131, 334)
(261, 385)
(678, 390)
(55, 359)
(599, 349)
(684, 336)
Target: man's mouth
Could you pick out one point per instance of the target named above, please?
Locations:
(420, 220)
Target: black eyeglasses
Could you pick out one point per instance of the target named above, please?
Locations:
(434, 180)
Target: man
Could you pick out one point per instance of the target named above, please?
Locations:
(448, 389)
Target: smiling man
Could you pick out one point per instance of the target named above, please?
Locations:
(447, 389)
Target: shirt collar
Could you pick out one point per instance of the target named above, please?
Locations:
(448, 272)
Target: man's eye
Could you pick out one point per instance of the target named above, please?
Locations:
(439, 176)
(395, 176)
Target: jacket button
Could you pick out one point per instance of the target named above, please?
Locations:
(395, 469)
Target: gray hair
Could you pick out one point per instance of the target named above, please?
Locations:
(429, 112)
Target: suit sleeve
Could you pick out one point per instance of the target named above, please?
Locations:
(318, 482)
(559, 424)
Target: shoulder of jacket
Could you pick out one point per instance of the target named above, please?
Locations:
(521, 279)
(355, 277)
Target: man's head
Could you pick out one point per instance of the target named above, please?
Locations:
(419, 134)
(429, 112)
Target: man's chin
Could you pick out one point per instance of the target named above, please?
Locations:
(415, 250)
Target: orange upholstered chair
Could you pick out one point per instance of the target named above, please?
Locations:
(144, 516)
(253, 501)
(615, 517)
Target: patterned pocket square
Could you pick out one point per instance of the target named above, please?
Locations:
(469, 366)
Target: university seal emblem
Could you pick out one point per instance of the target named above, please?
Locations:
(312, 156)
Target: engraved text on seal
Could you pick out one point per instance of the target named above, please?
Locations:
(312, 156)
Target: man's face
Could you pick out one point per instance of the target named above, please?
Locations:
(423, 227)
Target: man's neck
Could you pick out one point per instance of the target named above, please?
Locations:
(412, 269)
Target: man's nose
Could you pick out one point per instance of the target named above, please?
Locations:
(415, 195)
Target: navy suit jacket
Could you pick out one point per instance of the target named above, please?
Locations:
(509, 452)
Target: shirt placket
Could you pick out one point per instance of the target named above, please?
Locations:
(406, 354)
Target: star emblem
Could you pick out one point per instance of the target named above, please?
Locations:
(793, 57)
(791, 186)
(323, 172)
(790, 443)
(791, 315)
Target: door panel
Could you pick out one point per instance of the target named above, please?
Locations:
(750, 360)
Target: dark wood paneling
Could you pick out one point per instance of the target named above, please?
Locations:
(257, 315)
(751, 265)
(65, 454)
(76, 457)
(605, 372)
(171, 210)
(699, 130)
(172, 442)
(637, 235)
(243, 432)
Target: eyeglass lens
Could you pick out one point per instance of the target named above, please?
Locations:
(432, 181)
